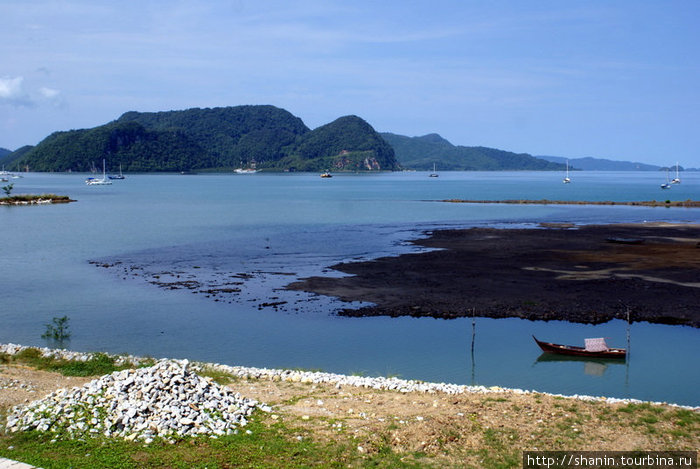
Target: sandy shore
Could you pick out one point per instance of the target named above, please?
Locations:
(587, 274)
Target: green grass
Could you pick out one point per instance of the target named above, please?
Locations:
(685, 422)
(685, 418)
(494, 399)
(220, 377)
(99, 364)
(499, 452)
(267, 446)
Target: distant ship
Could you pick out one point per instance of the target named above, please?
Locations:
(250, 170)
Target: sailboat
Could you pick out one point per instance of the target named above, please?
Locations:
(118, 176)
(434, 174)
(99, 182)
(677, 179)
(567, 179)
(666, 185)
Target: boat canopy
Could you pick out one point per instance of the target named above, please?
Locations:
(596, 345)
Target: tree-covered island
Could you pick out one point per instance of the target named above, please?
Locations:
(224, 138)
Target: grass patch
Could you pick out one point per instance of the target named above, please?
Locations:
(643, 407)
(220, 377)
(257, 445)
(686, 423)
(99, 364)
(499, 452)
(308, 370)
(494, 399)
(685, 418)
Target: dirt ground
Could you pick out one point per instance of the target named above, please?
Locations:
(449, 429)
(587, 274)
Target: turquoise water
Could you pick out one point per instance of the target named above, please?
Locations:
(279, 227)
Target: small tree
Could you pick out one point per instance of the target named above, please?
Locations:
(8, 189)
(58, 330)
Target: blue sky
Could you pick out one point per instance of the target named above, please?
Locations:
(609, 79)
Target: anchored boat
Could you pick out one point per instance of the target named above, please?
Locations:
(594, 348)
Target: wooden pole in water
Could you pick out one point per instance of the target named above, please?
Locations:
(628, 332)
(627, 356)
(473, 337)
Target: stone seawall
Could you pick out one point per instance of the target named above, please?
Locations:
(338, 380)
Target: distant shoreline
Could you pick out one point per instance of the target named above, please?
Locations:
(644, 203)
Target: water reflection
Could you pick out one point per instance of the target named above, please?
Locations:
(591, 366)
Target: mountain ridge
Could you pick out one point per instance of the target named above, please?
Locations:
(222, 138)
(214, 139)
(589, 163)
(423, 152)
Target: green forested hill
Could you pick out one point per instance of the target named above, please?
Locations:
(4, 156)
(347, 144)
(125, 143)
(10, 159)
(229, 135)
(421, 153)
(218, 138)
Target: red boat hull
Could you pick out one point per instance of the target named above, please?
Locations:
(549, 347)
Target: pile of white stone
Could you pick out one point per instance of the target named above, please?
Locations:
(165, 400)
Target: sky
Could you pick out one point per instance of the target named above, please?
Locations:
(615, 79)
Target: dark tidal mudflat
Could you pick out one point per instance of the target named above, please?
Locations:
(587, 274)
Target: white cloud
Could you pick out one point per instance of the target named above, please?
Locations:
(12, 92)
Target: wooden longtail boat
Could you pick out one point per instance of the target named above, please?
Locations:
(595, 348)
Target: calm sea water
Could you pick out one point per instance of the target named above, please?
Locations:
(279, 227)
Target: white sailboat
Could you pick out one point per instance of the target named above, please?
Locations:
(677, 179)
(99, 182)
(567, 179)
(666, 185)
(434, 174)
